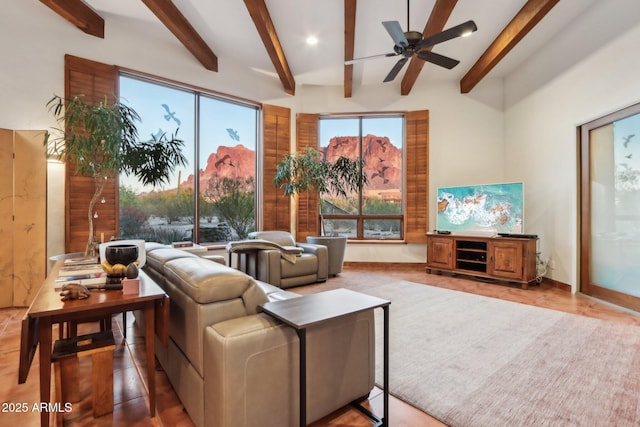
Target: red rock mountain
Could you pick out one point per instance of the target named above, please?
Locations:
(383, 163)
(227, 162)
(383, 160)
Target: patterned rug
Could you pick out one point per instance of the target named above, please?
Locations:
(470, 360)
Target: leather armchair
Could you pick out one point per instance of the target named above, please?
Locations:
(272, 266)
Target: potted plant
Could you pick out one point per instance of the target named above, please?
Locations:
(101, 140)
(307, 170)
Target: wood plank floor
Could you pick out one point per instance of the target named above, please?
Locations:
(130, 396)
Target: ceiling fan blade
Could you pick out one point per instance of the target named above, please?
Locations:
(451, 33)
(366, 58)
(436, 58)
(395, 31)
(396, 69)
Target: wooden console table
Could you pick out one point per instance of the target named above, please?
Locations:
(512, 259)
(313, 309)
(47, 309)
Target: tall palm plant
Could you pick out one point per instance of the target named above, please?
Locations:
(308, 171)
(101, 140)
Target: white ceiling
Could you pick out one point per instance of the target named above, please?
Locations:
(229, 31)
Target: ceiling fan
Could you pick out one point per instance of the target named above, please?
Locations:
(412, 43)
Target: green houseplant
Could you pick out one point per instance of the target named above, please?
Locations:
(307, 170)
(101, 140)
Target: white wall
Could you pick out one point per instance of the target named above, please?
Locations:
(473, 139)
(542, 117)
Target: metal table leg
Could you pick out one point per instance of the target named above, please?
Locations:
(384, 420)
(302, 336)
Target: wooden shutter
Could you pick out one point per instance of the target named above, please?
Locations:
(416, 215)
(276, 144)
(94, 81)
(308, 220)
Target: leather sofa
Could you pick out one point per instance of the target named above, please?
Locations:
(270, 265)
(232, 366)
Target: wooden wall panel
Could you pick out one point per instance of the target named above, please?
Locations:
(23, 216)
(30, 216)
(94, 81)
(308, 216)
(417, 189)
(276, 144)
(6, 218)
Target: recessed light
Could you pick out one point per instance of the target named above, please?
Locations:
(312, 40)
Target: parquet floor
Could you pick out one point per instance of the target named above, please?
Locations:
(129, 375)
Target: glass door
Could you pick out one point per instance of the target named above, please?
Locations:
(610, 208)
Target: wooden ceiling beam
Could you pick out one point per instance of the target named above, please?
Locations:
(524, 21)
(79, 14)
(176, 22)
(437, 20)
(349, 44)
(262, 20)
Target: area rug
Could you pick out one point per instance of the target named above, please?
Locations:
(470, 360)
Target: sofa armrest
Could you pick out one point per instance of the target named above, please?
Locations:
(311, 248)
(252, 373)
(322, 253)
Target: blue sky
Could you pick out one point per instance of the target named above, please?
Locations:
(391, 127)
(149, 99)
(623, 129)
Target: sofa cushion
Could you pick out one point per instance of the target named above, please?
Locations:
(158, 257)
(206, 281)
(152, 246)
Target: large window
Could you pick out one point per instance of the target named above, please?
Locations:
(375, 213)
(212, 198)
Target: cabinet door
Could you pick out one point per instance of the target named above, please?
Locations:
(506, 260)
(30, 211)
(440, 252)
(6, 218)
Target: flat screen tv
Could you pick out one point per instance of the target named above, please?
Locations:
(490, 209)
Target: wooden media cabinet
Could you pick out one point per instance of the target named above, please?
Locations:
(511, 259)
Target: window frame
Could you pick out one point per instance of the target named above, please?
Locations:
(198, 93)
(361, 217)
(416, 179)
(586, 156)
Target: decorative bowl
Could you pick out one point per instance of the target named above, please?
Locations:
(121, 254)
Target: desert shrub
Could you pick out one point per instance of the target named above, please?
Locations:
(132, 220)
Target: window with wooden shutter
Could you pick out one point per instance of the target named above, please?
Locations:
(94, 81)
(414, 218)
(276, 136)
